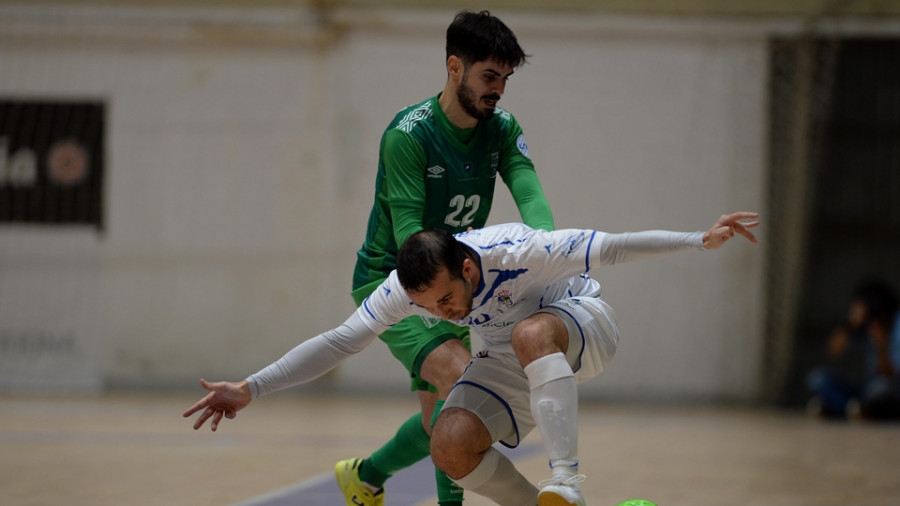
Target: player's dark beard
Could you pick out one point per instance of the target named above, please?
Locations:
(467, 99)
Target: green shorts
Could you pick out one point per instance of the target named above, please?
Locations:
(411, 340)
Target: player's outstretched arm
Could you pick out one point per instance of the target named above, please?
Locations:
(727, 225)
(224, 399)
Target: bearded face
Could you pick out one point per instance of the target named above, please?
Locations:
(481, 87)
(479, 107)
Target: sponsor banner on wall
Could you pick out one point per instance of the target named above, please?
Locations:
(47, 359)
(51, 162)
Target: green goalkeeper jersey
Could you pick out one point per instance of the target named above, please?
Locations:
(432, 174)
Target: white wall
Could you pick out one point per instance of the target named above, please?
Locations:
(240, 176)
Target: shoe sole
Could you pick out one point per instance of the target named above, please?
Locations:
(553, 499)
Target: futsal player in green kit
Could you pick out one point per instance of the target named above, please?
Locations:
(437, 168)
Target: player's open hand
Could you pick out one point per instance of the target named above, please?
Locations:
(223, 400)
(728, 225)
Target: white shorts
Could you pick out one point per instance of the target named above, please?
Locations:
(495, 388)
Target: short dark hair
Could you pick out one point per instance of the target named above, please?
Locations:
(475, 37)
(879, 298)
(424, 254)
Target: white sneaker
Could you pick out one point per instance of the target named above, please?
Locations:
(561, 491)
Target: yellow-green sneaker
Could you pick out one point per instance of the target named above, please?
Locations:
(356, 494)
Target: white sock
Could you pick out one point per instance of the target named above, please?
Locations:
(496, 478)
(554, 405)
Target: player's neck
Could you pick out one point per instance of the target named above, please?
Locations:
(453, 110)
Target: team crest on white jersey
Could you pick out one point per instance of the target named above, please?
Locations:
(573, 243)
(504, 300)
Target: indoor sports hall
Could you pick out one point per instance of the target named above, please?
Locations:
(184, 187)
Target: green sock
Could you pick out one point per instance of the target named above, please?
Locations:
(409, 445)
(449, 493)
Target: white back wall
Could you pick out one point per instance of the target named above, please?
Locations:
(240, 173)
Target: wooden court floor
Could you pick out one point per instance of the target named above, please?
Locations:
(136, 449)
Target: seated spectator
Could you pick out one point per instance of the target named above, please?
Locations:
(861, 375)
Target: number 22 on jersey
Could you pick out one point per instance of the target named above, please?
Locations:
(462, 210)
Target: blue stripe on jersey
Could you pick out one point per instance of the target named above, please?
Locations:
(587, 257)
(504, 243)
(365, 305)
(492, 246)
(502, 276)
(501, 401)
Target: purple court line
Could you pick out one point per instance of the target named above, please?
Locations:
(406, 488)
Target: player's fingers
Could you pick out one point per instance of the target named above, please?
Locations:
(730, 219)
(744, 230)
(217, 417)
(203, 418)
(208, 385)
(202, 403)
(741, 215)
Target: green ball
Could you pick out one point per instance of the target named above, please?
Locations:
(636, 502)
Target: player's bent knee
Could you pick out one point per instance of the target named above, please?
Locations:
(442, 440)
(457, 441)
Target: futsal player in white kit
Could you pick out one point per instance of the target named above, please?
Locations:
(544, 327)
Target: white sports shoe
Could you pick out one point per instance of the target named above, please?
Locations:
(561, 491)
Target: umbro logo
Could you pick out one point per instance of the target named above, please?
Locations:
(436, 171)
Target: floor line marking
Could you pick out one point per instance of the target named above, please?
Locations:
(408, 487)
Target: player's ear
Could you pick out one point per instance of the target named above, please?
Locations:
(455, 68)
(467, 267)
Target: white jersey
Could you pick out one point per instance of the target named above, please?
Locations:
(522, 270)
